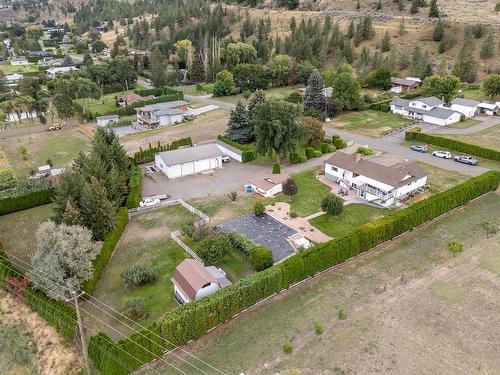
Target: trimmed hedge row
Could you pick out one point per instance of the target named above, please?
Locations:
(135, 187)
(58, 314)
(367, 236)
(453, 145)
(23, 202)
(382, 105)
(108, 246)
(148, 155)
(191, 321)
(161, 91)
(186, 322)
(247, 154)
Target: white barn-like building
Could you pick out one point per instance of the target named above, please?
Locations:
(467, 107)
(380, 183)
(429, 110)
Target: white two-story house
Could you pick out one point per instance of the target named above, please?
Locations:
(161, 114)
(430, 110)
(379, 183)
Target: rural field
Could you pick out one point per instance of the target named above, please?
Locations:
(371, 123)
(489, 138)
(28, 152)
(204, 127)
(429, 293)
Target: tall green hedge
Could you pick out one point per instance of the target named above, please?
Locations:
(23, 202)
(108, 246)
(135, 187)
(452, 144)
(191, 321)
(161, 91)
(58, 314)
(247, 154)
(148, 155)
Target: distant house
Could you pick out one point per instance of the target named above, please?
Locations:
(192, 281)
(66, 43)
(39, 54)
(129, 98)
(490, 109)
(187, 161)
(24, 114)
(327, 91)
(404, 84)
(19, 61)
(13, 79)
(270, 186)
(106, 120)
(467, 107)
(161, 114)
(428, 109)
(380, 183)
(53, 62)
(53, 72)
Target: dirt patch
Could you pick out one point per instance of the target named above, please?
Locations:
(55, 355)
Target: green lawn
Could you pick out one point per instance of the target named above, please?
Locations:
(61, 147)
(464, 124)
(352, 216)
(441, 179)
(17, 230)
(275, 92)
(489, 138)
(8, 69)
(310, 193)
(371, 123)
(102, 105)
(472, 92)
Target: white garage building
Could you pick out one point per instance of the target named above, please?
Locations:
(187, 161)
(466, 107)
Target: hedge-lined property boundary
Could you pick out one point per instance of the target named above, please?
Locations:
(148, 155)
(191, 321)
(247, 154)
(135, 187)
(161, 91)
(108, 246)
(23, 202)
(58, 314)
(453, 145)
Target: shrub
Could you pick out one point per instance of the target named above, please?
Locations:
(341, 313)
(365, 151)
(287, 347)
(332, 204)
(259, 208)
(453, 145)
(135, 188)
(139, 275)
(455, 247)
(295, 98)
(276, 168)
(233, 196)
(134, 307)
(318, 327)
(317, 153)
(240, 243)
(339, 143)
(247, 94)
(293, 215)
(213, 248)
(490, 228)
(261, 258)
(23, 202)
(294, 158)
(325, 148)
(309, 152)
(16, 345)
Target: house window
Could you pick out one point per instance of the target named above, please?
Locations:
(335, 169)
(355, 175)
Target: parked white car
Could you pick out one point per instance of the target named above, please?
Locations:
(442, 154)
(149, 202)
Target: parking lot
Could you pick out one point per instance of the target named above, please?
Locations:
(263, 230)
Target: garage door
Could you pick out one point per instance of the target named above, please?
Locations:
(174, 171)
(202, 165)
(187, 168)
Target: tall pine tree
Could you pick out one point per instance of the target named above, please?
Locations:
(240, 128)
(314, 97)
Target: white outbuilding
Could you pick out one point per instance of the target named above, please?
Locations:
(106, 120)
(187, 161)
(467, 107)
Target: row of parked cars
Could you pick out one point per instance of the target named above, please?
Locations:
(465, 159)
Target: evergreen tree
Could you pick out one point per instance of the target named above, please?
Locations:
(433, 9)
(71, 214)
(491, 86)
(350, 30)
(386, 42)
(358, 5)
(197, 73)
(438, 32)
(414, 6)
(488, 47)
(465, 67)
(258, 97)
(379, 5)
(314, 97)
(402, 27)
(240, 128)
(158, 68)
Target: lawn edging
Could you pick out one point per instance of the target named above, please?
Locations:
(23, 202)
(191, 321)
(452, 144)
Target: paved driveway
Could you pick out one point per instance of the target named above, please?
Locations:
(263, 230)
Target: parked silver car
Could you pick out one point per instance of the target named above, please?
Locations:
(442, 154)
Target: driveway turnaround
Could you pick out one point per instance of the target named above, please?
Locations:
(263, 230)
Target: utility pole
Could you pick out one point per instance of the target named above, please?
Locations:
(80, 328)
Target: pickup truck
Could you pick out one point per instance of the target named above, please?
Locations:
(466, 159)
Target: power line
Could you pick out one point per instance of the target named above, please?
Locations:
(120, 333)
(136, 323)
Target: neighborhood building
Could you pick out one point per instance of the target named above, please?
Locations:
(327, 91)
(13, 79)
(192, 281)
(106, 120)
(161, 114)
(428, 109)
(268, 187)
(129, 98)
(187, 161)
(375, 181)
(404, 84)
(19, 61)
(53, 62)
(39, 54)
(467, 107)
(53, 72)
(490, 109)
(22, 114)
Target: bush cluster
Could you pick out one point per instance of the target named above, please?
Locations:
(276, 168)
(261, 258)
(139, 275)
(23, 202)
(213, 248)
(134, 307)
(338, 142)
(247, 154)
(453, 145)
(161, 91)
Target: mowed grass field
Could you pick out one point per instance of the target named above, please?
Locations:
(274, 92)
(489, 138)
(26, 153)
(371, 123)
(432, 300)
(17, 231)
(145, 241)
(352, 216)
(102, 105)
